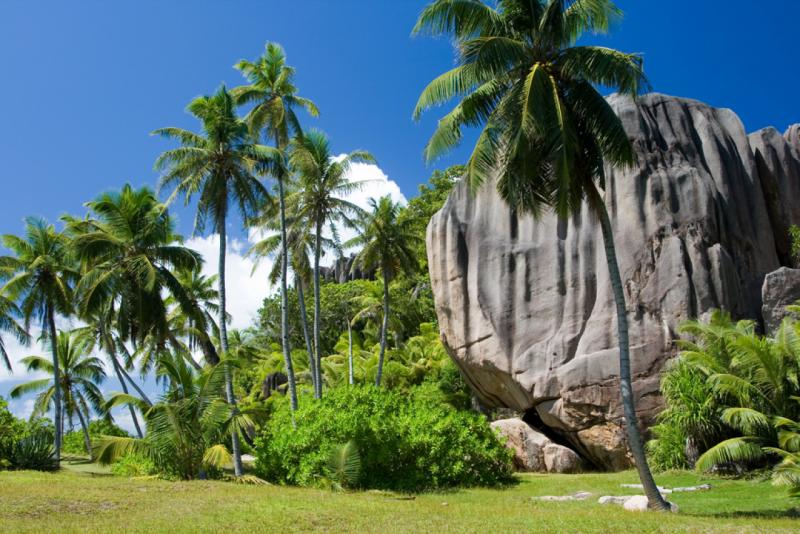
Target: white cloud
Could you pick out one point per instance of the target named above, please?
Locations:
(245, 288)
(374, 184)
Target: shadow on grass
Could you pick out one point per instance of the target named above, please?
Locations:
(791, 513)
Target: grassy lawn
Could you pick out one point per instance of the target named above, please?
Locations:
(82, 500)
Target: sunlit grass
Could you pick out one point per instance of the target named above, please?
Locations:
(72, 501)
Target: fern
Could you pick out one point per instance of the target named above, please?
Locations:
(344, 465)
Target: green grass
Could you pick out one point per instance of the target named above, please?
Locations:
(88, 501)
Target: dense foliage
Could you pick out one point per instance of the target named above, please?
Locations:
(733, 398)
(405, 442)
(25, 444)
(74, 442)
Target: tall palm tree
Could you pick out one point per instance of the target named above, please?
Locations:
(128, 250)
(194, 318)
(218, 166)
(8, 323)
(388, 247)
(99, 333)
(546, 130)
(41, 274)
(79, 378)
(274, 97)
(323, 182)
(300, 241)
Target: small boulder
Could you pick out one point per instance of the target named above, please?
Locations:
(533, 451)
(781, 288)
(560, 459)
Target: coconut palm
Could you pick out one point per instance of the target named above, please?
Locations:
(217, 166)
(128, 251)
(546, 131)
(8, 323)
(79, 378)
(300, 241)
(322, 183)
(40, 277)
(193, 318)
(99, 333)
(387, 247)
(274, 97)
(187, 426)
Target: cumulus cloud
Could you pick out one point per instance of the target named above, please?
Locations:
(245, 287)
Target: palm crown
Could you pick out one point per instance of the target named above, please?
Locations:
(545, 127)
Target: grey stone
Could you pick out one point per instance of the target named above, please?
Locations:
(560, 459)
(525, 307)
(533, 451)
(781, 288)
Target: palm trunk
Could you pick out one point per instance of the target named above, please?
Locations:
(301, 300)
(655, 500)
(384, 329)
(223, 341)
(133, 383)
(287, 354)
(112, 353)
(59, 415)
(351, 379)
(87, 441)
(317, 254)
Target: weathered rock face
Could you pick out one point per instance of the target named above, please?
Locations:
(525, 307)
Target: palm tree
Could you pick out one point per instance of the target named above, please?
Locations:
(218, 165)
(128, 249)
(274, 97)
(194, 318)
(40, 278)
(187, 426)
(99, 332)
(546, 130)
(79, 379)
(323, 181)
(300, 241)
(388, 247)
(8, 323)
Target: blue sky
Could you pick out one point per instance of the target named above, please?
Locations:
(84, 82)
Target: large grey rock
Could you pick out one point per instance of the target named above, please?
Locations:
(533, 451)
(525, 307)
(778, 162)
(781, 288)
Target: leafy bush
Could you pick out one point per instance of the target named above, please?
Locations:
(405, 442)
(134, 465)
(74, 442)
(34, 451)
(11, 431)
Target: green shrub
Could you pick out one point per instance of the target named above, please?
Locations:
(74, 443)
(405, 442)
(134, 465)
(11, 431)
(34, 451)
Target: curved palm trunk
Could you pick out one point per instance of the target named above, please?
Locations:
(301, 300)
(287, 354)
(87, 441)
(223, 341)
(317, 355)
(57, 397)
(133, 383)
(384, 329)
(351, 379)
(121, 375)
(655, 500)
